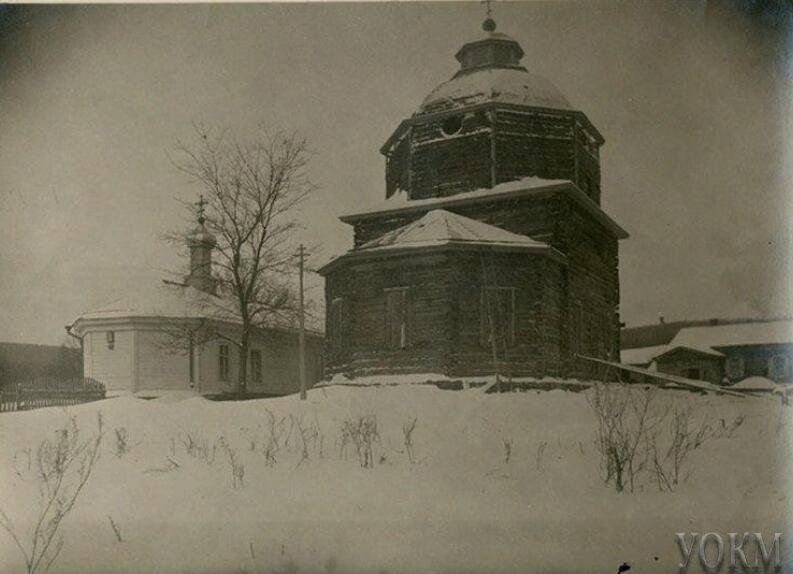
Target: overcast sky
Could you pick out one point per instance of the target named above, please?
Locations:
(695, 112)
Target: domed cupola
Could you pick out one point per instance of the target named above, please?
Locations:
(492, 122)
(494, 49)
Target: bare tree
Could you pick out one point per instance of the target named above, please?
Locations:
(251, 190)
(63, 467)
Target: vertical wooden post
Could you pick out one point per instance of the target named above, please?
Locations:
(302, 255)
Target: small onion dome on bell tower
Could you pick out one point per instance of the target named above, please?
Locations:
(491, 50)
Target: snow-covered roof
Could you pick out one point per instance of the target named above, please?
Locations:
(399, 202)
(172, 301)
(503, 85)
(642, 355)
(440, 228)
(760, 333)
(708, 339)
(695, 349)
(166, 300)
(755, 384)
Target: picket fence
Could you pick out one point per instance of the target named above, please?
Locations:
(49, 392)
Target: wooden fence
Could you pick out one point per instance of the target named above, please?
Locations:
(49, 392)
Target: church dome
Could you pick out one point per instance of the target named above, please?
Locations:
(490, 71)
(502, 85)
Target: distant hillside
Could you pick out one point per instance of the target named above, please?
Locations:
(21, 361)
(663, 333)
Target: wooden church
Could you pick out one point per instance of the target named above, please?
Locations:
(490, 253)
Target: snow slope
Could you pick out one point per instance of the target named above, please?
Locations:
(460, 507)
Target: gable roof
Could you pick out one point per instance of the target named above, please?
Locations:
(439, 229)
(708, 339)
(400, 203)
(761, 333)
(642, 355)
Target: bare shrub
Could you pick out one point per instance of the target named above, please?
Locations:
(170, 465)
(624, 420)
(540, 453)
(361, 433)
(681, 437)
(407, 434)
(63, 467)
(23, 461)
(507, 443)
(308, 438)
(123, 445)
(272, 442)
(237, 468)
(198, 448)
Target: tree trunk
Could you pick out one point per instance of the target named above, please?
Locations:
(242, 385)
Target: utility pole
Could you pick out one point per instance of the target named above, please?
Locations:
(302, 256)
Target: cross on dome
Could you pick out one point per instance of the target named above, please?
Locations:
(489, 25)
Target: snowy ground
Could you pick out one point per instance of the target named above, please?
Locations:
(460, 507)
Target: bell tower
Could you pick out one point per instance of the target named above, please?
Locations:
(492, 122)
(201, 243)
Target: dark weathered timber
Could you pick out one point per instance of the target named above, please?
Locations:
(494, 145)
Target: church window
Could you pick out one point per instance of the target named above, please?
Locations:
(735, 367)
(498, 317)
(223, 362)
(111, 340)
(778, 367)
(396, 317)
(452, 125)
(256, 365)
(336, 323)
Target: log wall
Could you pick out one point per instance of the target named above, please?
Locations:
(584, 295)
(493, 145)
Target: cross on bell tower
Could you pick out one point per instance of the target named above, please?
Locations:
(201, 243)
(200, 205)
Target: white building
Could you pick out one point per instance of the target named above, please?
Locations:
(171, 338)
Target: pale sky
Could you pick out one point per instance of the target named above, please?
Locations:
(696, 115)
